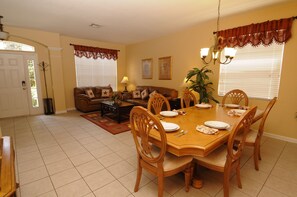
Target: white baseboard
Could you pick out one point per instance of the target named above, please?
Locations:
(61, 112)
(71, 109)
(279, 137)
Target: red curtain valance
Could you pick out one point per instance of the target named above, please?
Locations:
(95, 52)
(255, 34)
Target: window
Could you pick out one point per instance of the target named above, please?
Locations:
(96, 72)
(15, 46)
(255, 70)
(33, 83)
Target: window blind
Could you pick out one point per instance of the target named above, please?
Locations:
(255, 70)
(96, 72)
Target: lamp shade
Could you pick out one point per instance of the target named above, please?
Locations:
(125, 79)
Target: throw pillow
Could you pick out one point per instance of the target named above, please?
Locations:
(136, 94)
(90, 93)
(152, 93)
(105, 93)
(144, 94)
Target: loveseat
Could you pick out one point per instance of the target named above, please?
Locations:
(88, 98)
(134, 98)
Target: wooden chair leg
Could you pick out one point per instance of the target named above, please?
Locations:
(138, 178)
(256, 157)
(238, 175)
(226, 182)
(160, 185)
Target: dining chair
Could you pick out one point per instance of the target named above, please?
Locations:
(186, 98)
(156, 103)
(254, 137)
(225, 158)
(235, 97)
(155, 159)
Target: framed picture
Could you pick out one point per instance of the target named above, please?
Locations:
(147, 68)
(165, 68)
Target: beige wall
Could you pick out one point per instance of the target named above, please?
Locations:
(69, 66)
(184, 48)
(54, 49)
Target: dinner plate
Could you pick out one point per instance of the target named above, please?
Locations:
(232, 105)
(203, 105)
(217, 124)
(169, 126)
(238, 111)
(169, 113)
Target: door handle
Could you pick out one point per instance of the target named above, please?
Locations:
(24, 85)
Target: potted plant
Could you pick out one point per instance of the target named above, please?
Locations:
(200, 83)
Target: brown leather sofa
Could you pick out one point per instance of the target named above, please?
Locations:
(84, 103)
(169, 93)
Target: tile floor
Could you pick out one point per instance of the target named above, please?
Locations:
(66, 155)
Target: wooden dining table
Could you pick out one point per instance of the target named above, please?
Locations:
(194, 142)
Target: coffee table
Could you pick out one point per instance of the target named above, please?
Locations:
(119, 111)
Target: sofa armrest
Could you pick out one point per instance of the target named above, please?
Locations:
(83, 97)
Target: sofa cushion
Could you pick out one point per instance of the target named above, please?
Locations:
(105, 93)
(152, 93)
(136, 94)
(144, 94)
(90, 93)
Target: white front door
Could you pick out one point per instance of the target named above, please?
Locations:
(13, 86)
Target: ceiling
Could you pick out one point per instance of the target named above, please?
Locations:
(121, 21)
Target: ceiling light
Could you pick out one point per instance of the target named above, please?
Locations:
(94, 25)
(216, 52)
(3, 34)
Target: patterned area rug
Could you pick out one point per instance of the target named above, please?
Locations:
(107, 123)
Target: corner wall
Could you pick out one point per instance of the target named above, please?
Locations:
(184, 48)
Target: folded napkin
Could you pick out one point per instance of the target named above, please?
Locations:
(206, 130)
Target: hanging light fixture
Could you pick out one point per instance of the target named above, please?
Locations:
(3, 34)
(216, 52)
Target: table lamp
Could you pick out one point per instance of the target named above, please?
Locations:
(125, 80)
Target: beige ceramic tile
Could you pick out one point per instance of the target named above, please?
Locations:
(99, 179)
(49, 194)
(81, 158)
(29, 165)
(285, 187)
(54, 157)
(75, 189)
(100, 152)
(89, 168)
(59, 166)
(149, 190)
(32, 175)
(110, 159)
(65, 177)
(37, 188)
(121, 169)
(268, 192)
(129, 181)
(112, 189)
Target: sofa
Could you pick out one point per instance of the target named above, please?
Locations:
(169, 93)
(88, 99)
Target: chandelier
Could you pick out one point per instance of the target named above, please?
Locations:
(216, 52)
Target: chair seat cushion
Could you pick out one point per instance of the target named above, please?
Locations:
(250, 138)
(216, 158)
(172, 162)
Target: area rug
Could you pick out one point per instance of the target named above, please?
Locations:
(107, 123)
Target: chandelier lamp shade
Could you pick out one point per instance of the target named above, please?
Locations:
(215, 52)
(124, 81)
(3, 34)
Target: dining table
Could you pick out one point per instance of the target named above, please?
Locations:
(187, 140)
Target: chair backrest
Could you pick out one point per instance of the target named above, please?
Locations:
(242, 125)
(235, 97)
(142, 122)
(186, 98)
(156, 103)
(265, 115)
